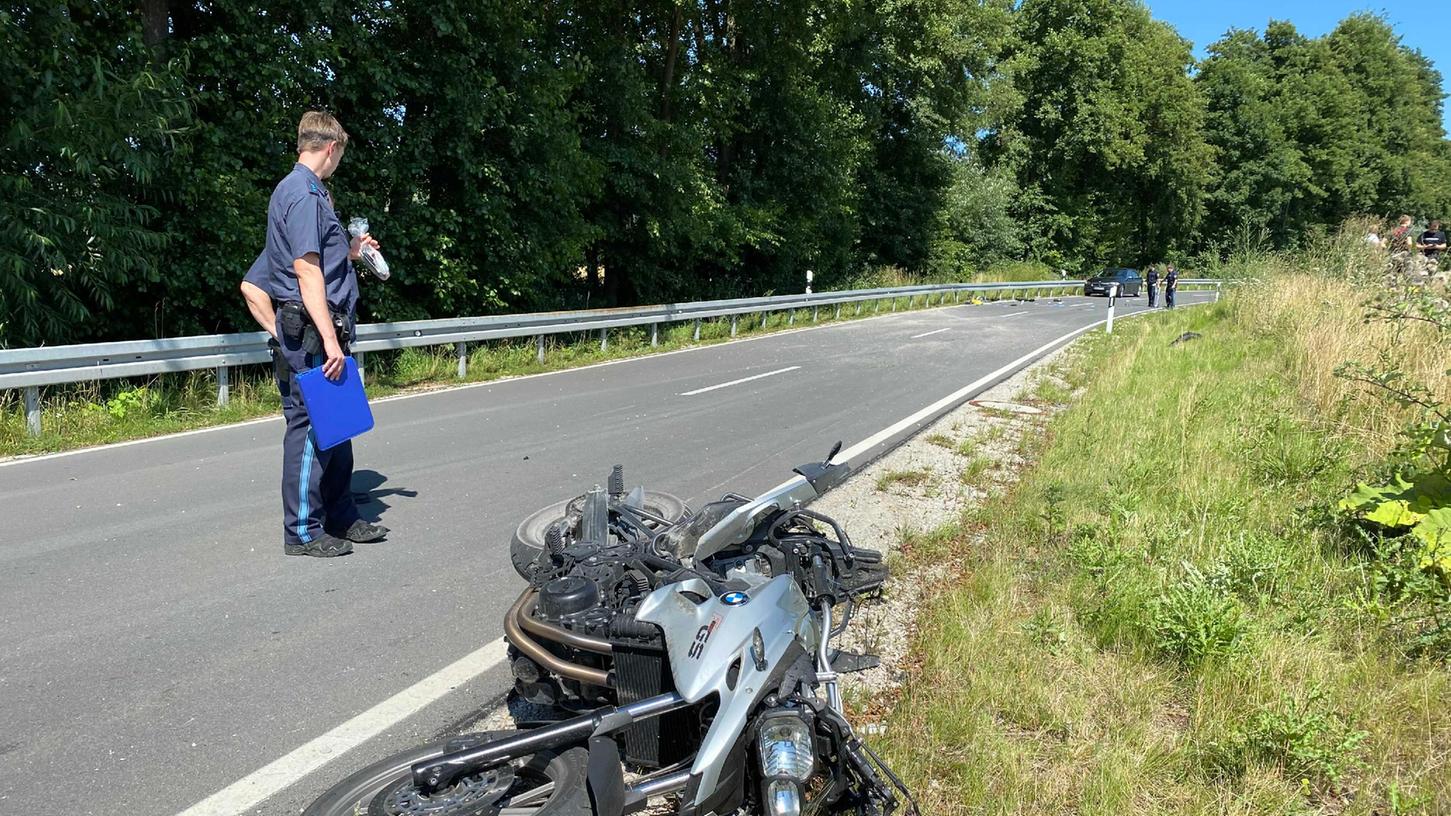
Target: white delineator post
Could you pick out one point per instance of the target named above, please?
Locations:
(1112, 297)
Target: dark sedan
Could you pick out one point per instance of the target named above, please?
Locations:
(1130, 283)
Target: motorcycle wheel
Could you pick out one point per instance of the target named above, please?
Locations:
(529, 537)
(547, 783)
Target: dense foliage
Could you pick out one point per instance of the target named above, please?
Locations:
(528, 155)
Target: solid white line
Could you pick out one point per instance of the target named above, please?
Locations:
(1010, 314)
(738, 382)
(955, 397)
(926, 334)
(268, 780)
(971, 388)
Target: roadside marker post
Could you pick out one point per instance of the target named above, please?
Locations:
(1112, 296)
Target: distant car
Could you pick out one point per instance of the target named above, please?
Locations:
(1130, 283)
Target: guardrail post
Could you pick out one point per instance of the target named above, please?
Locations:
(838, 312)
(1216, 291)
(539, 348)
(814, 310)
(894, 304)
(791, 319)
(1112, 296)
(858, 309)
(734, 320)
(697, 331)
(361, 359)
(463, 359)
(224, 386)
(654, 335)
(32, 410)
(604, 339)
(762, 323)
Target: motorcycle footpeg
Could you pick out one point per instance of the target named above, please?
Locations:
(845, 662)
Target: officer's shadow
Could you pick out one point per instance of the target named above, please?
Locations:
(368, 494)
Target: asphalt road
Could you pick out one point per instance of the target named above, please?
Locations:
(156, 647)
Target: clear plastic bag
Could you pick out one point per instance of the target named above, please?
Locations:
(372, 259)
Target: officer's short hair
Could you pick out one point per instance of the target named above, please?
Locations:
(317, 129)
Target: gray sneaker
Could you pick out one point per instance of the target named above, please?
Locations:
(363, 532)
(324, 546)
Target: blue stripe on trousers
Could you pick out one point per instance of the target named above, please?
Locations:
(308, 455)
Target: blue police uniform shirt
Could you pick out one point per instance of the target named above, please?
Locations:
(301, 219)
(259, 275)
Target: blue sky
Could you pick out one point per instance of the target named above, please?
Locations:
(1424, 26)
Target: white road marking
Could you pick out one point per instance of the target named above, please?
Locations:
(263, 783)
(738, 382)
(1011, 314)
(926, 334)
(959, 395)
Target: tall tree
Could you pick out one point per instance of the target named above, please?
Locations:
(87, 120)
(1108, 144)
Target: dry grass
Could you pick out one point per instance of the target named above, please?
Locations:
(1322, 318)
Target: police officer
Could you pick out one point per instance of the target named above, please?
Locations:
(1171, 285)
(309, 260)
(1152, 279)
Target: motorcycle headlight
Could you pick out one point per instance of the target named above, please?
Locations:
(785, 746)
(783, 798)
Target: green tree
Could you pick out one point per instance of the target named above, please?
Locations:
(87, 119)
(1108, 144)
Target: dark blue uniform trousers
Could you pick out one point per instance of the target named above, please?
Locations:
(1153, 294)
(1169, 297)
(316, 484)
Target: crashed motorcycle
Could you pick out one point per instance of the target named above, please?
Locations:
(666, 657)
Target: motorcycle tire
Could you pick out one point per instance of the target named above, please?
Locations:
(529, 537)
(376, 789)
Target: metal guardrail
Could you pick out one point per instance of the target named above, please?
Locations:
(31, 368)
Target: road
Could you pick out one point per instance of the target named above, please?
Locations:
(157, 649)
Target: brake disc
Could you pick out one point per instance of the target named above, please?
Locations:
(476, 795)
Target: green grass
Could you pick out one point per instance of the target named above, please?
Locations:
(941, 440)
(1170, 621)
(903, 478)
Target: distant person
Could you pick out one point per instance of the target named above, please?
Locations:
(1432, 242)
(1400, 239)
(309, 259)
(1152, 279)
(1373, 239)
(1171, 285)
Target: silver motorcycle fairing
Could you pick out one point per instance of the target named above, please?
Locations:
(703, 640)
(738, 526)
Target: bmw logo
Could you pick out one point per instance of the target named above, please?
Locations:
(734, 598)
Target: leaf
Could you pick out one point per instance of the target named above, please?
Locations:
(1434, 533)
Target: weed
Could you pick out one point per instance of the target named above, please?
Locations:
(972, 474)
(1194, 621)
(904, 478)
(1302, 737)
(941, 440)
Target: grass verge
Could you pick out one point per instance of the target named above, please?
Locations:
(1167, 618)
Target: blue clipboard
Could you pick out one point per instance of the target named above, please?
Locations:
(338, 408)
